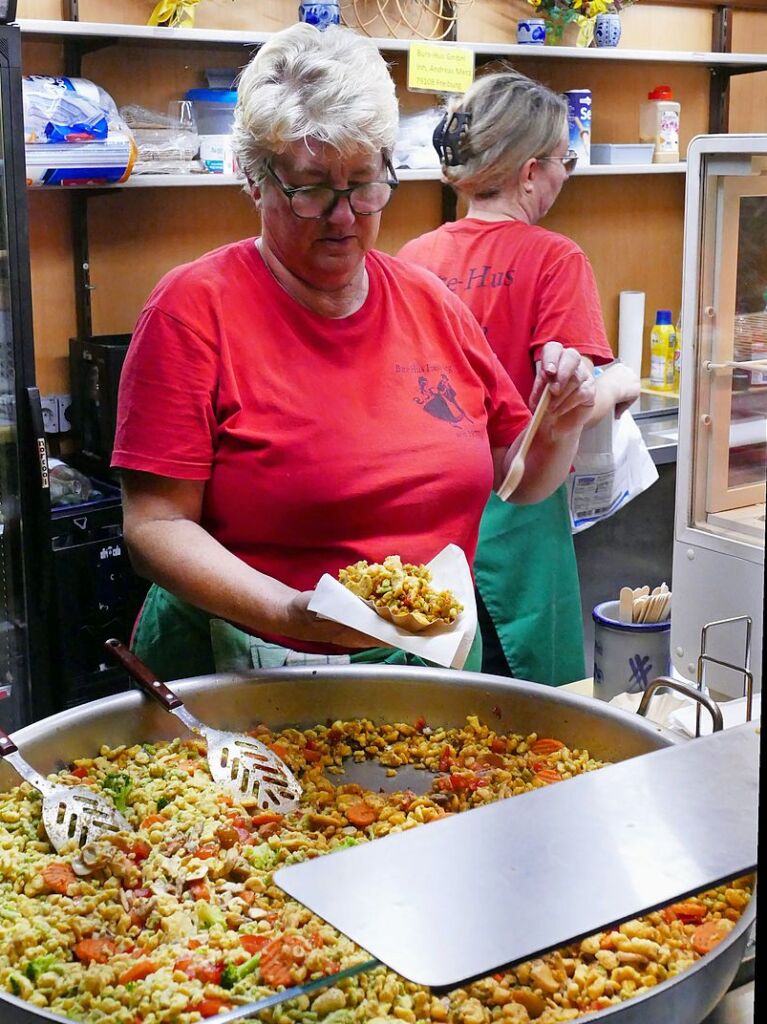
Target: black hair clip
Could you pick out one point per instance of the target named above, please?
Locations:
(448, 136)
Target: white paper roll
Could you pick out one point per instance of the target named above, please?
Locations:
(631, 330)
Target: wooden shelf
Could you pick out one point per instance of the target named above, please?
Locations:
(404, 175)
(43, 29)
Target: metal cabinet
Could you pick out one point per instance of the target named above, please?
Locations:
(720, 501)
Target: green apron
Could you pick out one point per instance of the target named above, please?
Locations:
(178, 640)
(526, 574)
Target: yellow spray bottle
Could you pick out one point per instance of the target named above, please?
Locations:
(662, 347)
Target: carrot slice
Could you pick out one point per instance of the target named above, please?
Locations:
(280, 956)
(210, 1007)
(710, 934)
(545, 746)
(97, 950)
(361, 814)
(152, 819)
(137, 972)
(266, 818)
(546, 775)
(58, 877)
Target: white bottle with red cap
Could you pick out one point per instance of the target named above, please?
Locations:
(659, 124)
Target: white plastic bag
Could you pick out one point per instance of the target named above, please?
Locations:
(413, 148)
(611, 467)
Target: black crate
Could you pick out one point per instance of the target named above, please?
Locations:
(97, 596)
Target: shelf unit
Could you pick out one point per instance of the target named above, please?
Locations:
(82, 38)
(93, 31)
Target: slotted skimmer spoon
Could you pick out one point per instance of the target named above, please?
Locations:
(517, 467)
(240, 764)
(70, 813)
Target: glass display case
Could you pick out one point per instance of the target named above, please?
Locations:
(718, 571)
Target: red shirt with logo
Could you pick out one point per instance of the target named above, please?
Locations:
(322, 441)
(524, 284)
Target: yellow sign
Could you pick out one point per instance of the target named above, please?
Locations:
(439, 68)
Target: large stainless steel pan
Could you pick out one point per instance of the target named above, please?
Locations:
(305, 696)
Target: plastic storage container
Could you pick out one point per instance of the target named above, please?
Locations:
(214, 113)
(622, 153)
(659, 124)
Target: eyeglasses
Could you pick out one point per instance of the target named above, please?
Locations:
(310, 202)
(568, 161)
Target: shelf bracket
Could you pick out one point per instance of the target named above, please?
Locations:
(719, 89)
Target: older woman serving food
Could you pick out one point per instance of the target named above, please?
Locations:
(294, 403)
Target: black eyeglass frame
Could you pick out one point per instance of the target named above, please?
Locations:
(569, 161)
(338, 193)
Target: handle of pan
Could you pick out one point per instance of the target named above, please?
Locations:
(143, 675)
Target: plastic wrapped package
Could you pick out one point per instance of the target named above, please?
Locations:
(173, 144)
(74, 133)
(414, 148)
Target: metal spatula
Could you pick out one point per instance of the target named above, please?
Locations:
(547, 867)
(240, 764)
(70, 813)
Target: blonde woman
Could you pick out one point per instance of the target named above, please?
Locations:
(504, 149)
(296, 401)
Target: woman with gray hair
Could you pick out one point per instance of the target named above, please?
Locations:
(504, 149)
(295, 402)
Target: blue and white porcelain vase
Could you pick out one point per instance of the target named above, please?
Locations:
(607, 30)
(531, 32)
(320, 14)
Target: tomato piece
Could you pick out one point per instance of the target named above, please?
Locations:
(420, 723)
(687, 911)
(499, 745)
(96, 950)
(253, 943)
(207, 850)
(139, 850)
(312, 755)
(199, 889)
(446, 759)
(80, 772)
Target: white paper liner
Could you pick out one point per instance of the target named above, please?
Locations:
(444, 645)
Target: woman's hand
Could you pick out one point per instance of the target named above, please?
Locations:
(573, 389)
(307, 625)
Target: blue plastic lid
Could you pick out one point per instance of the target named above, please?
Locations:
(663, 316)
(212, 95)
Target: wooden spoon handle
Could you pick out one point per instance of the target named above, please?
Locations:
(535, 422)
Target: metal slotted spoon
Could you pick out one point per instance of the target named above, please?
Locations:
(240, 764)
(70, 813)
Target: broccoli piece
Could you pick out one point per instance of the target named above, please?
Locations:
(339, 1017)
(119, 785)
(15, 982)
(162, 802)
(232, 973)
(346, 842)
(36, 967)
(208, 916)
(262, 857)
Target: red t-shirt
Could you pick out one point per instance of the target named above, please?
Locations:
(524, 284)
(321, 441)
